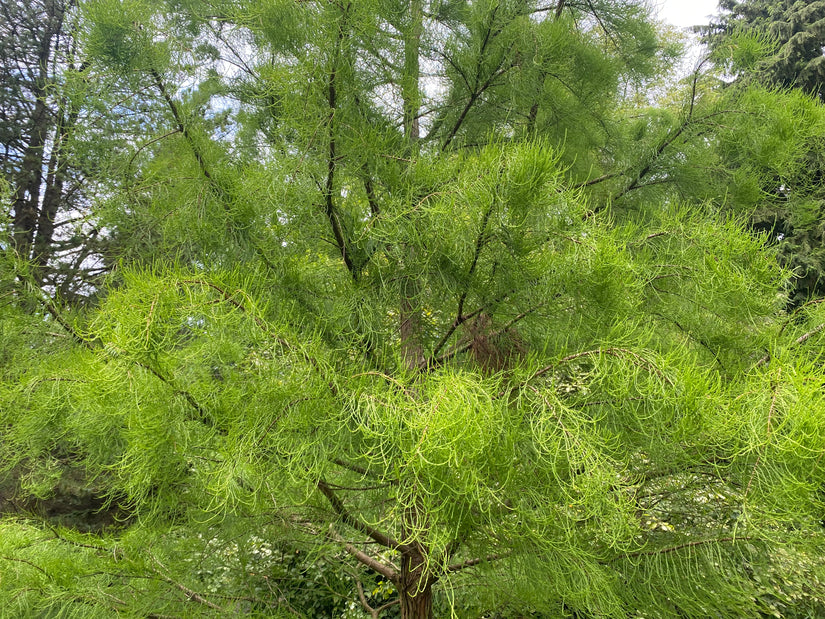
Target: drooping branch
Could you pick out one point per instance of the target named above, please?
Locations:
(218, 188)
(702, 542)
(350, 467)
(597, 180)
(55, 313)
(93, 344)
(692, 337)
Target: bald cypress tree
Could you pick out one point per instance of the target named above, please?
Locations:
(412, 310)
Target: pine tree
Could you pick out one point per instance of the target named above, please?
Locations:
(57, 131)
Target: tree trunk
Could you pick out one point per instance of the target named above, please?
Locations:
(411, 326)
(417, 604)
(27, 192)
(415, 589)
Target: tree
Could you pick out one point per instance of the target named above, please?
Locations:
(437, 330)
(39, 112)
(793, 31)
(779, 44)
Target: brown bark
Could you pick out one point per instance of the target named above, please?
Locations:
(415, 588)
(411, 326)
(27, 191)
(55, 181)
(417, 605)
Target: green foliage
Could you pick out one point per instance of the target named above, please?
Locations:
(778, 43)
(492, 347)
(118, 33)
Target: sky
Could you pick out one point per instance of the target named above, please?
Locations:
(683, 13)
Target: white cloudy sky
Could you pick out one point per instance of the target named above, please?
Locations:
(682, 13)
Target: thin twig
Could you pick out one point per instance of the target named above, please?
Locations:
(457, 567)
(800, 340)
(774, 395)
(189, 593)
(29, 563)
(373, 613)
(372, 563)
(661, 551)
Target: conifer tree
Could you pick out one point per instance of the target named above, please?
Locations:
(795, 31)
(398, 292)
(779, 45)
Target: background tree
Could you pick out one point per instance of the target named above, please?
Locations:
(460, 333)
(793, 31)
(779, 44)
(40, 107)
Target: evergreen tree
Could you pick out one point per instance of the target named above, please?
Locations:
(779, 44)
(423, 303)
(38, 112)
(795, 30)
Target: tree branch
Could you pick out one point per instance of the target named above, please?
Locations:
(800, 340)
(638, 360)
(460, 318)
(363, 599)
(771, 411)
(457, 567)
(183, 129)
(559, 9)
(29, 563)
(353, 522)
(329, 186)
(374, 564)
(477, 91)
(192, 595)
(661, 551)
(457, 350)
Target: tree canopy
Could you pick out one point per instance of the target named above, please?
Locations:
(421, 303)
